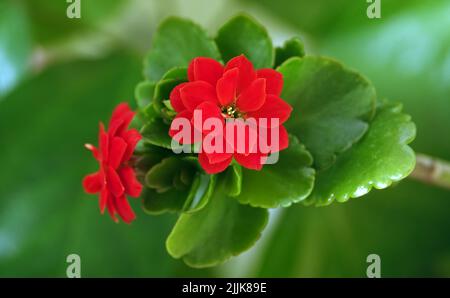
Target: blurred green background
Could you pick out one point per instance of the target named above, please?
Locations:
(60, 76)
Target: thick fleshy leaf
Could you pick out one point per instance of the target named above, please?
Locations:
(155, 203)
(176, 42)
(332, 106)
(156, 132)
(161, 176)
(15, 44)
(163, 90)
(379, 159)
(287, 181)
(176, 73)
(201, 191)
(222, 229)
(291, 48)
(243, 35)
(233, 179)
(143, 93)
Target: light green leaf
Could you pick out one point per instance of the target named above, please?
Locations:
(15, 44)
(233, 179)
(244, 35)
(222, 229)
(201, 191)
(176, 42)
(291, 48)
(176, 73)
(288, 181)
(144, 93)
(379, 159)
(332, 106)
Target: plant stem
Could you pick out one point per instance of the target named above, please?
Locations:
(432, 171)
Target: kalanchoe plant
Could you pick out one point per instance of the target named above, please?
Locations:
(336, 140)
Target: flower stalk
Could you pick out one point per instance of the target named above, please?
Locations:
(431, 170)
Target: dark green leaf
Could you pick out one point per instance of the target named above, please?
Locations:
(379, 159)
(222, 229)
(161, 176)
(156, 132)
(176, 73)
(243, 35)
(291, 48)
(155, 203)
(288, 181)
(332, 106)
(176, 42)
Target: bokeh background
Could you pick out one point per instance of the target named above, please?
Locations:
(60, 76)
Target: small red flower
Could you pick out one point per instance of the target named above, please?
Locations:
(235, 90)
(115, 178)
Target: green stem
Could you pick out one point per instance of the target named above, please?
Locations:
(432, 171)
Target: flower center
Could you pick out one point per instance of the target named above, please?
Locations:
(232, 111)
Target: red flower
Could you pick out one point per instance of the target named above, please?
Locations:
(115, 178)
(235, 90)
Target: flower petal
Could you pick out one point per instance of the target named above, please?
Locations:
(132, 186)
(226, 87)
(113, 181)
(274, 107)
(253, 161)
(131, 137)
(94, 150)
(124, 209)
(205, 69)
(174, 129)
(111, 208)
(117, 151)
(103, 143)
(194, 93)
(103, 201)
(247, 73)
(274, 80)
(175, 98)
(93, 183)
(208, 110)
(121, 118)
(212, 168)
(252, 98)
(272, 146)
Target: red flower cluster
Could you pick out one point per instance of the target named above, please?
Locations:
(115, 178)
(235, 90)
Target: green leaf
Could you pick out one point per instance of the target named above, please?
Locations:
(222, 229)
(233, 179)
(244, 35)
(379, 159)
(200, 193)
(332, 106)
(144, 93)
(155, 203)
(176, 42)
(288, 181)
(161, 176)
(291, 48)
(176, 73)
(156, 132)
(162, 92)
(15, 44)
